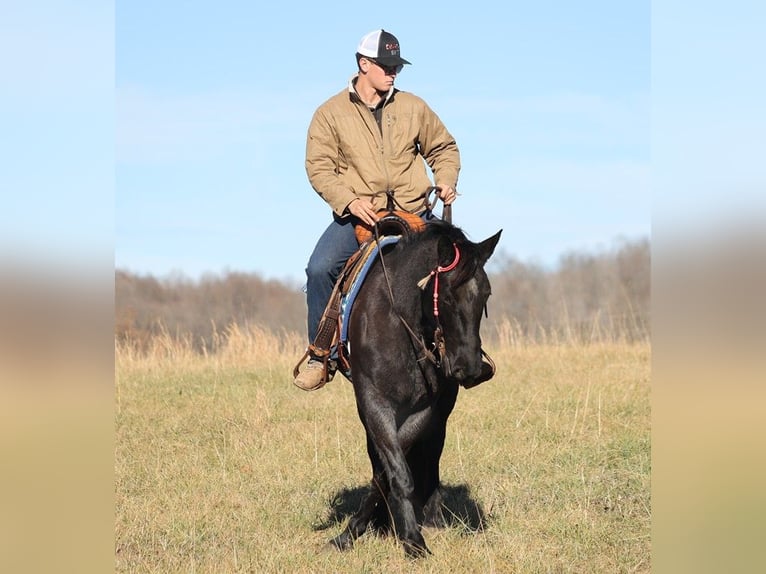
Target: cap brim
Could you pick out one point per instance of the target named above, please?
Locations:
(392, 61)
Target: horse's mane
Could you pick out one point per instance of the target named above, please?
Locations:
(443, 235)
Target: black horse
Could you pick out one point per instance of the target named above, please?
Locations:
(414, 339)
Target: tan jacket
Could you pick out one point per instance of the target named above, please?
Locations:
(347, 156)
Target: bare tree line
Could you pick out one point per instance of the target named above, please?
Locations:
(586, 297)
(181, 307)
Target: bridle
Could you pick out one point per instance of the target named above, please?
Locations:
(438, 354)
(435, 274)
(440, 344)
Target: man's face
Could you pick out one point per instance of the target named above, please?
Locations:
(381, 77)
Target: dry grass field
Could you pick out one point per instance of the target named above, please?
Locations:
(222, 465)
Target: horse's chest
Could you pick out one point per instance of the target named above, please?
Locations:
(411, 400)
(420, 402)
(416, 420)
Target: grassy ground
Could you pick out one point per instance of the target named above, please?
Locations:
(222, 465)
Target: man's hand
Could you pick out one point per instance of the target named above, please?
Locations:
(447, 194)
(363, 210)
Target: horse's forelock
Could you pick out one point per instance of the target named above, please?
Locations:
(469, 267)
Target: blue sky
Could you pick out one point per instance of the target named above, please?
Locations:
(169, 136)
(549, 103)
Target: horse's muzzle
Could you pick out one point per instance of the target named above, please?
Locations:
(460, 369)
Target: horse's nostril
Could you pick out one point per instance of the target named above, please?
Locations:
(467, 372)
(463, 373)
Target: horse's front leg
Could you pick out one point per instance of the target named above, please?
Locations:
(391, 446)
(377, 494)
(424, 459)
(424, 464)
(380, 487)
(358, 523)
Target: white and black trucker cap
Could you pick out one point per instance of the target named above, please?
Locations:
(382, 47)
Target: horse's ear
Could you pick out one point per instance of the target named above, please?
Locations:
(487, 247)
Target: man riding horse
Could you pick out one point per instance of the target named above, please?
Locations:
(366, 146)
(414, 328)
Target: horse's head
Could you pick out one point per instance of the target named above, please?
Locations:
(460, 289)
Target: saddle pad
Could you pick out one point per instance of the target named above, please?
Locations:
(347, 300)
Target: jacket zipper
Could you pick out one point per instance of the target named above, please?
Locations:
(380, 141)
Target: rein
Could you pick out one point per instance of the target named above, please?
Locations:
(427, 354)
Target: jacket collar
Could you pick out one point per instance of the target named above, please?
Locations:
(355, 97)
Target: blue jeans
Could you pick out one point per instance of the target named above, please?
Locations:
(335, 246)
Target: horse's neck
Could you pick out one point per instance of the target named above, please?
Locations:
(399, 273)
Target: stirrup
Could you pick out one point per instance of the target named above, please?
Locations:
(330, 366)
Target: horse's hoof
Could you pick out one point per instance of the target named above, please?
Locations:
(436, 520)
(341, 542)
(415, 549)
(328, 548)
